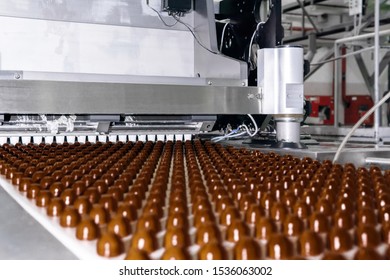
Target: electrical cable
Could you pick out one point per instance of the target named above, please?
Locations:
(342, 56)
(174, 15)
(358, 124)
(159, 15)
(194, 35)
(255, 124)
(250, 46)
(233, 134)
(223, 36)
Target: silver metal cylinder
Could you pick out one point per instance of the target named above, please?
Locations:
(288, 130)
(280, 79)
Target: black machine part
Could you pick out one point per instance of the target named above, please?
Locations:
(177, 6)
(270, 33)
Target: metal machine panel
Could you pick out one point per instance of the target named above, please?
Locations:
(107, 12)
(50, 97)
(280, 76)
(113, 37)
(52, 46)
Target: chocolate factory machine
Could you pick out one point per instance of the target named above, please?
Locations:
(168, 129)
(60, 107)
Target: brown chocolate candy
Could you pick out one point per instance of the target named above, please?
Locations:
(120, 226)
(144, 240)
(212, 251)
(340, 240)
(136, 254)
(311, 244)
(280, 247)
(109, 245)
(70, 217)
(87, 230)
(247, 249)
(176, 253)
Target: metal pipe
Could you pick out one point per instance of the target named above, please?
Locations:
(377, 119)
(361, 37)
(374, 160)
(337, 68)
(336, 85)
(305, 13)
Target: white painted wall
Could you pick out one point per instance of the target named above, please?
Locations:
(355, 82)
(320, 83)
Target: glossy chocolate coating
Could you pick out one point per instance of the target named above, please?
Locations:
(340, 240)
(149, 222)
(247, 249)
(206, 233)
(293, 225)
(120, 226)
(133, 200)
(301, 209)
(16, 178)
(228, 215)
(70, 217)
(178, 220)
(144, 240)
(24, 183)
(280, 247)
(127, 211)
(79, 187)
(366, 216)
(343, 219)
(319, 222)
(108, 202)
(92, 194)
(68, 196)
(278, 212)
(210, 189)
(176, 237)
(99, 214)
(56, 189)
(265, 227)
(43, 198)
(212, 251)
(82, 204)
(87, 230)
(109, 245)
(367, 254)
(176, 253)
(311, 244)
(33, 190)
(333, 256)
(236, 231)
(386, 233)
(324, 206)
(55, 207)
(136, 254)
(367, 236)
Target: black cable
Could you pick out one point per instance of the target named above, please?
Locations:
(194, 35)
(256, 10)
(159, 15)
(177, 16)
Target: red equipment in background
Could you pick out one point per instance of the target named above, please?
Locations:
(322, 110)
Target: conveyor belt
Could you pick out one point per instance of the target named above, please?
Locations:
(23, 238)
(198, 200)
